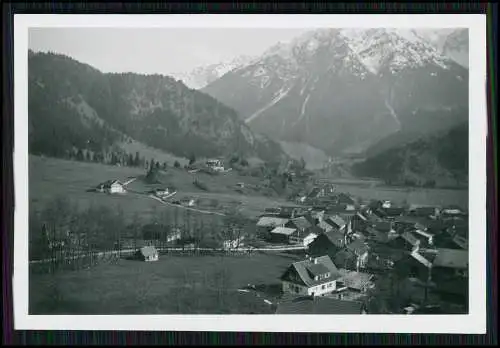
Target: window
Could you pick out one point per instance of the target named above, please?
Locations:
(323, 287)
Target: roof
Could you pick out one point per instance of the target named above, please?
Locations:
(317, 269)
(148, 251)
(355, 280)
(361, 216)
(345, 198)
(334, 235)
(425, 210)
(461, 241)
(410, 238)
(108, 183)
(310, 219)
(452, 258)
(271, 221)
(301, 222)
(324, 225)
(345, 258)
(314, 192)
(358, 247)
(283, 230)
(306, 273)
(383, 226)
(318, 305)
(393, 211)
(421, 259)
(337, 220)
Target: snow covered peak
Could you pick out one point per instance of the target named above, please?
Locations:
(378, 49)
(204, 75)
(393, 49)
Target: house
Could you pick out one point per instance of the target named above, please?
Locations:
(272, 211)
(188, 202)
(361, 251)
(344, 198)
(317, 213)
(426, 238)
(424, 211)
(240, 185)
(410, 242)
(281, 234)
(316, 192)
(357, 281)
(301, 224)
(319, 305)
(337, 223)
(309, 238)
(412, 223)
(215, 164)
(289, 212)
(392, 212)
(386, 204)
(267, 223)
(147, 253)
(311, 277)
(328, 243)
(111, 186)
(451, 263)
(452, 210)
(233, 243)
(162, 192)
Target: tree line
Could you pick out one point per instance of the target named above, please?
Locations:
(64, 230)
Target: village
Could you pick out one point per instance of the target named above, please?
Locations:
(359, 257)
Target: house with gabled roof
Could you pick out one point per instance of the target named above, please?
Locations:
(452, 262)
(111, 186)
(361, 252)
(281, 234)
(359, 282)
(328, 243)
(147, 253)
(267, 223)
(311, 277)
(337, 223)
(301, 224)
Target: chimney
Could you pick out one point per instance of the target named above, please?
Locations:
(315, 261)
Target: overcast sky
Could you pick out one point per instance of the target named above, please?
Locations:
(149, 51)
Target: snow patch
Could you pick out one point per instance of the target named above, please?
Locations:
(280, 95)
(303, 109)
(392, 112)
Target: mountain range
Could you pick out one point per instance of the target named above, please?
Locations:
(72, 105)
(438, 160)
(344, 90)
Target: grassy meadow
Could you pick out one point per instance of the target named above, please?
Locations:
(50, 177)
(172, 285)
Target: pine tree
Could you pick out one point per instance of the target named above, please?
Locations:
(79, 155)
(137, 160)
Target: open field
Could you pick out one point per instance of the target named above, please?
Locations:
(174, 284)
(51, 177)
(422, 196)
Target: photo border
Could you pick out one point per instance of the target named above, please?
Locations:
(475, 157)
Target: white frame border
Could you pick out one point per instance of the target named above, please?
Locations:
(473, 323)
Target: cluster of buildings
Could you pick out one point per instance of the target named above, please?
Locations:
(351, 246)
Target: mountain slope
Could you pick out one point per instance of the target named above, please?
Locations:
(74, 105)
(342, 90)
(204, 75)
(453, 43)
(441, 160)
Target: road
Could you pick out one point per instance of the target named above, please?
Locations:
(188, 208)
(129, 251)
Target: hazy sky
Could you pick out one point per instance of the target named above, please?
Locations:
(154, 50)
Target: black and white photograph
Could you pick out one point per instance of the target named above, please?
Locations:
(218, 167)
